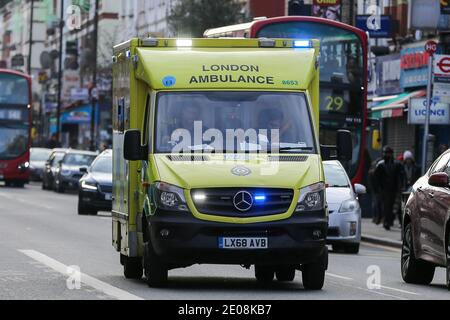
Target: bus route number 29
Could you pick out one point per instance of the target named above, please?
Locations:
(334, 103)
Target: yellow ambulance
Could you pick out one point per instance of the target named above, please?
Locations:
(216, 157)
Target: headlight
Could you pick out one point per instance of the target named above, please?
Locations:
(169, 197)
(24, 166)
(66, 173)
(349, 206)
(88, 186)
(311, 198)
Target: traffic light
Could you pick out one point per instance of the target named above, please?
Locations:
(71, 61)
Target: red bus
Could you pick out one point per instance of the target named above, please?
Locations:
(343, 86)
(15, 127)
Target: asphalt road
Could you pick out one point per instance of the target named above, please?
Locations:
(41, 235)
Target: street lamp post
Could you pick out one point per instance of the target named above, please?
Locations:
(58, 107)
(94, 79)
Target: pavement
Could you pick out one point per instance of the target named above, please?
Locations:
(43, 241)
(372, 233)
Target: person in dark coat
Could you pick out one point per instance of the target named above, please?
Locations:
(53, 142)
(388, 176)
(411, 171)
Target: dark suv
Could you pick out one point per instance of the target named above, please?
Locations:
(426, 225)
(68, 172)
(95, 187)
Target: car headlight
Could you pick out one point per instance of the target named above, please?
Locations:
(169, 197)
(66, 173)
(311, 198)
(23, 166)
(88, 186)
(349, 206)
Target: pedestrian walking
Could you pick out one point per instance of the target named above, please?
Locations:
(388, 177)
(411, 171)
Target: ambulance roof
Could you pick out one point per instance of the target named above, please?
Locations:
(171, 64)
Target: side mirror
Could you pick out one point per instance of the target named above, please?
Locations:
(344, 145)
(83, 169)
(360, 189)
(132, 148)
(439, 179)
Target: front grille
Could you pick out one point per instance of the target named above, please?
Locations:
(105, 189)
(333, 232)
(219, 201)
(288, 158)
(184, 158)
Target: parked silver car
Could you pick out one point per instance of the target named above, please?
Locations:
(344, 231)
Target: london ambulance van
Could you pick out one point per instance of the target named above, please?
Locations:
(216, 157)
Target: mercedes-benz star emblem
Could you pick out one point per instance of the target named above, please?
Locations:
(243, 201)
(241, 171)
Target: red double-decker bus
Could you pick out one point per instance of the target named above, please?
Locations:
(343, 86)
(15, 127)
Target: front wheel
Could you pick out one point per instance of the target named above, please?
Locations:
(132, 267)
(156, 272)
(313, 274)
(448, 262)
(414, 270)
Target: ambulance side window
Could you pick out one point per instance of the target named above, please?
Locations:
(145, 131)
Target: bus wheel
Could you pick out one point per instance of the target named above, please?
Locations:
(313, 274)
(132, 267)
(264, 274)
(156, 272)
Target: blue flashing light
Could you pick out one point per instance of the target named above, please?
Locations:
(260, 198)
(302, 44)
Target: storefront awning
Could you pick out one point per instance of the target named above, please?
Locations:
(394, 107)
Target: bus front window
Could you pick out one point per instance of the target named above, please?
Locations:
(342, 103)
(14, 141)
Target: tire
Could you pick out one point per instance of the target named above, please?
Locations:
(132, 267)
(264, 274)
(285, 274)
(313, 274)
(414, 270)
(448, 262)
(156, 272)
(352, 248)
(59, 188)
(84, 210)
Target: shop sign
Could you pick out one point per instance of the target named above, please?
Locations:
(439, 112)
(414, 67)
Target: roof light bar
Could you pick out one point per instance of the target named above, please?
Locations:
(150, 42)
(184, 43)
(302, 44)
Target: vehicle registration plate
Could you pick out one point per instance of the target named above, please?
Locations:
(243, 243)
(108, 196)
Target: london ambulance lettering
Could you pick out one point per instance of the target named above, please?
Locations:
(232, 73)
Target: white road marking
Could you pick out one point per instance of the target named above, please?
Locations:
(381, 247)
(368, 290)
(338, 276)
(87, 280)
(399, 290)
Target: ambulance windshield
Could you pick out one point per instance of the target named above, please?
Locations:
(232, 122)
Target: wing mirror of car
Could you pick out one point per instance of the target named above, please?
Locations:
(360, 189)
(439, 179)
(132, 147)
(83, 169)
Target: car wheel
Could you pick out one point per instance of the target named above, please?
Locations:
(448, 262)
(156, 272)
(313, 274)
(59, 188)
(285, 273)
(132, 267)
(414, 270)
(352, 248)
(264, 274)
(84, 210)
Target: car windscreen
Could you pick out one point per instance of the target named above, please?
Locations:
(74, 159)
(228, 121)
(39, 154)
(335, 175)
(13, 140)
(102, 165)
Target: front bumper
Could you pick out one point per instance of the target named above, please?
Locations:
(95, 199)
(190, 240)
(340, 227)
